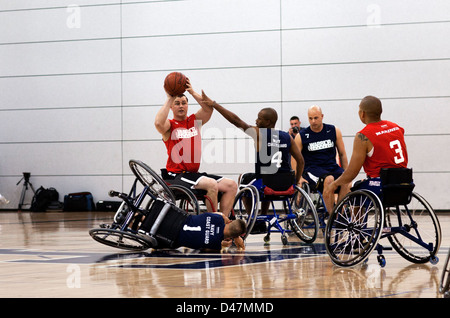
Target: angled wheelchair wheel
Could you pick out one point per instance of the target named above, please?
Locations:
(152, 180)
(185, 199)
(245, 207)
(354, 228)
(444, 287)
(306, 223)
(120, 239)
(417, 235)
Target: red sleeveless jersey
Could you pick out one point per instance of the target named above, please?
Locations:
(184, 145)
(389, 148)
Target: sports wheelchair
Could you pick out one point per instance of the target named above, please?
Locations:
(127, 230)
(138, 223)
(292, 208)
(386, 208)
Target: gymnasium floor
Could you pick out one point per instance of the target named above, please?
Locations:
(51, 255)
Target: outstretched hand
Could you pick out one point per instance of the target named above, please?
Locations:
(206, 100)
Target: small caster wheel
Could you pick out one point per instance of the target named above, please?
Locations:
(267, 239)
(284, 239)
(434, 260)
(381, 260)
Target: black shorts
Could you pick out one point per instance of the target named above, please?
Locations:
(277, 181)
(187, 179)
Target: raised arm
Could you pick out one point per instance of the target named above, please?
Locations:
(205, 112)
(230, 116)
(162, 123)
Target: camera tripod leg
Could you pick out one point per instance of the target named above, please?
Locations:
(22, 195)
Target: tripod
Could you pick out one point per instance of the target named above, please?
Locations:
(26, 183)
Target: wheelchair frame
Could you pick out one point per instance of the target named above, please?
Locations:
(299, 211)
(124, 232)
(360, 220)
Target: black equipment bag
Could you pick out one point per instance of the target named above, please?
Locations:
(43, 198)
(79, 202)
(108, 206)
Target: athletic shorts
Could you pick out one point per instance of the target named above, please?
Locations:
(188, 179)
(277, 182)
(372, 184)
(315, 174)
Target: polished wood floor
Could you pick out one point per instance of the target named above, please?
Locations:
(52, 255)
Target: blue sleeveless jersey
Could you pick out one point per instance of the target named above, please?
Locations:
(273, 156)
(202, 231)
(319, 149)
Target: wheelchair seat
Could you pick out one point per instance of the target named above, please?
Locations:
(276, 185)
(269, 191)
(396, 186)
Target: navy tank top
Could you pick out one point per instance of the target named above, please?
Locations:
(319, 149)
(202, 231)
(274, 154)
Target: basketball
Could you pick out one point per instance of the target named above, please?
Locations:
(175, 83)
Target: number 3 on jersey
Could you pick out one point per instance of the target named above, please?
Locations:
(398, 149)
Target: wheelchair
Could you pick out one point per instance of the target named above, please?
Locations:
(292, 210)
(127, 230)
(138, 223)
(387, 208)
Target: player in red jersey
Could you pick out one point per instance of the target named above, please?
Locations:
(182, 138)
(381, 144)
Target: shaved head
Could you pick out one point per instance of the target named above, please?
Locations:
(270, 114)
(372, 107)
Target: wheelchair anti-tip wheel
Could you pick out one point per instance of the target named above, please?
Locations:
(152, 180)
(245, 206)
(120, 239)
(354, 228)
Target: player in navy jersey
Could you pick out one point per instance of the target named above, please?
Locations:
(320, 144)
(273, 147)
(211, 231)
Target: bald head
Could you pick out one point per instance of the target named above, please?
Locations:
(315, 109)
(372, 107)
(315, 118)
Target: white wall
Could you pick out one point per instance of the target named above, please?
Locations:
(81, 81)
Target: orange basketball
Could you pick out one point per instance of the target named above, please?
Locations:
(175, 83)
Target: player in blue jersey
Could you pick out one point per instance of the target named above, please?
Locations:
(211, 231)
(274, 149)
(322, 148)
